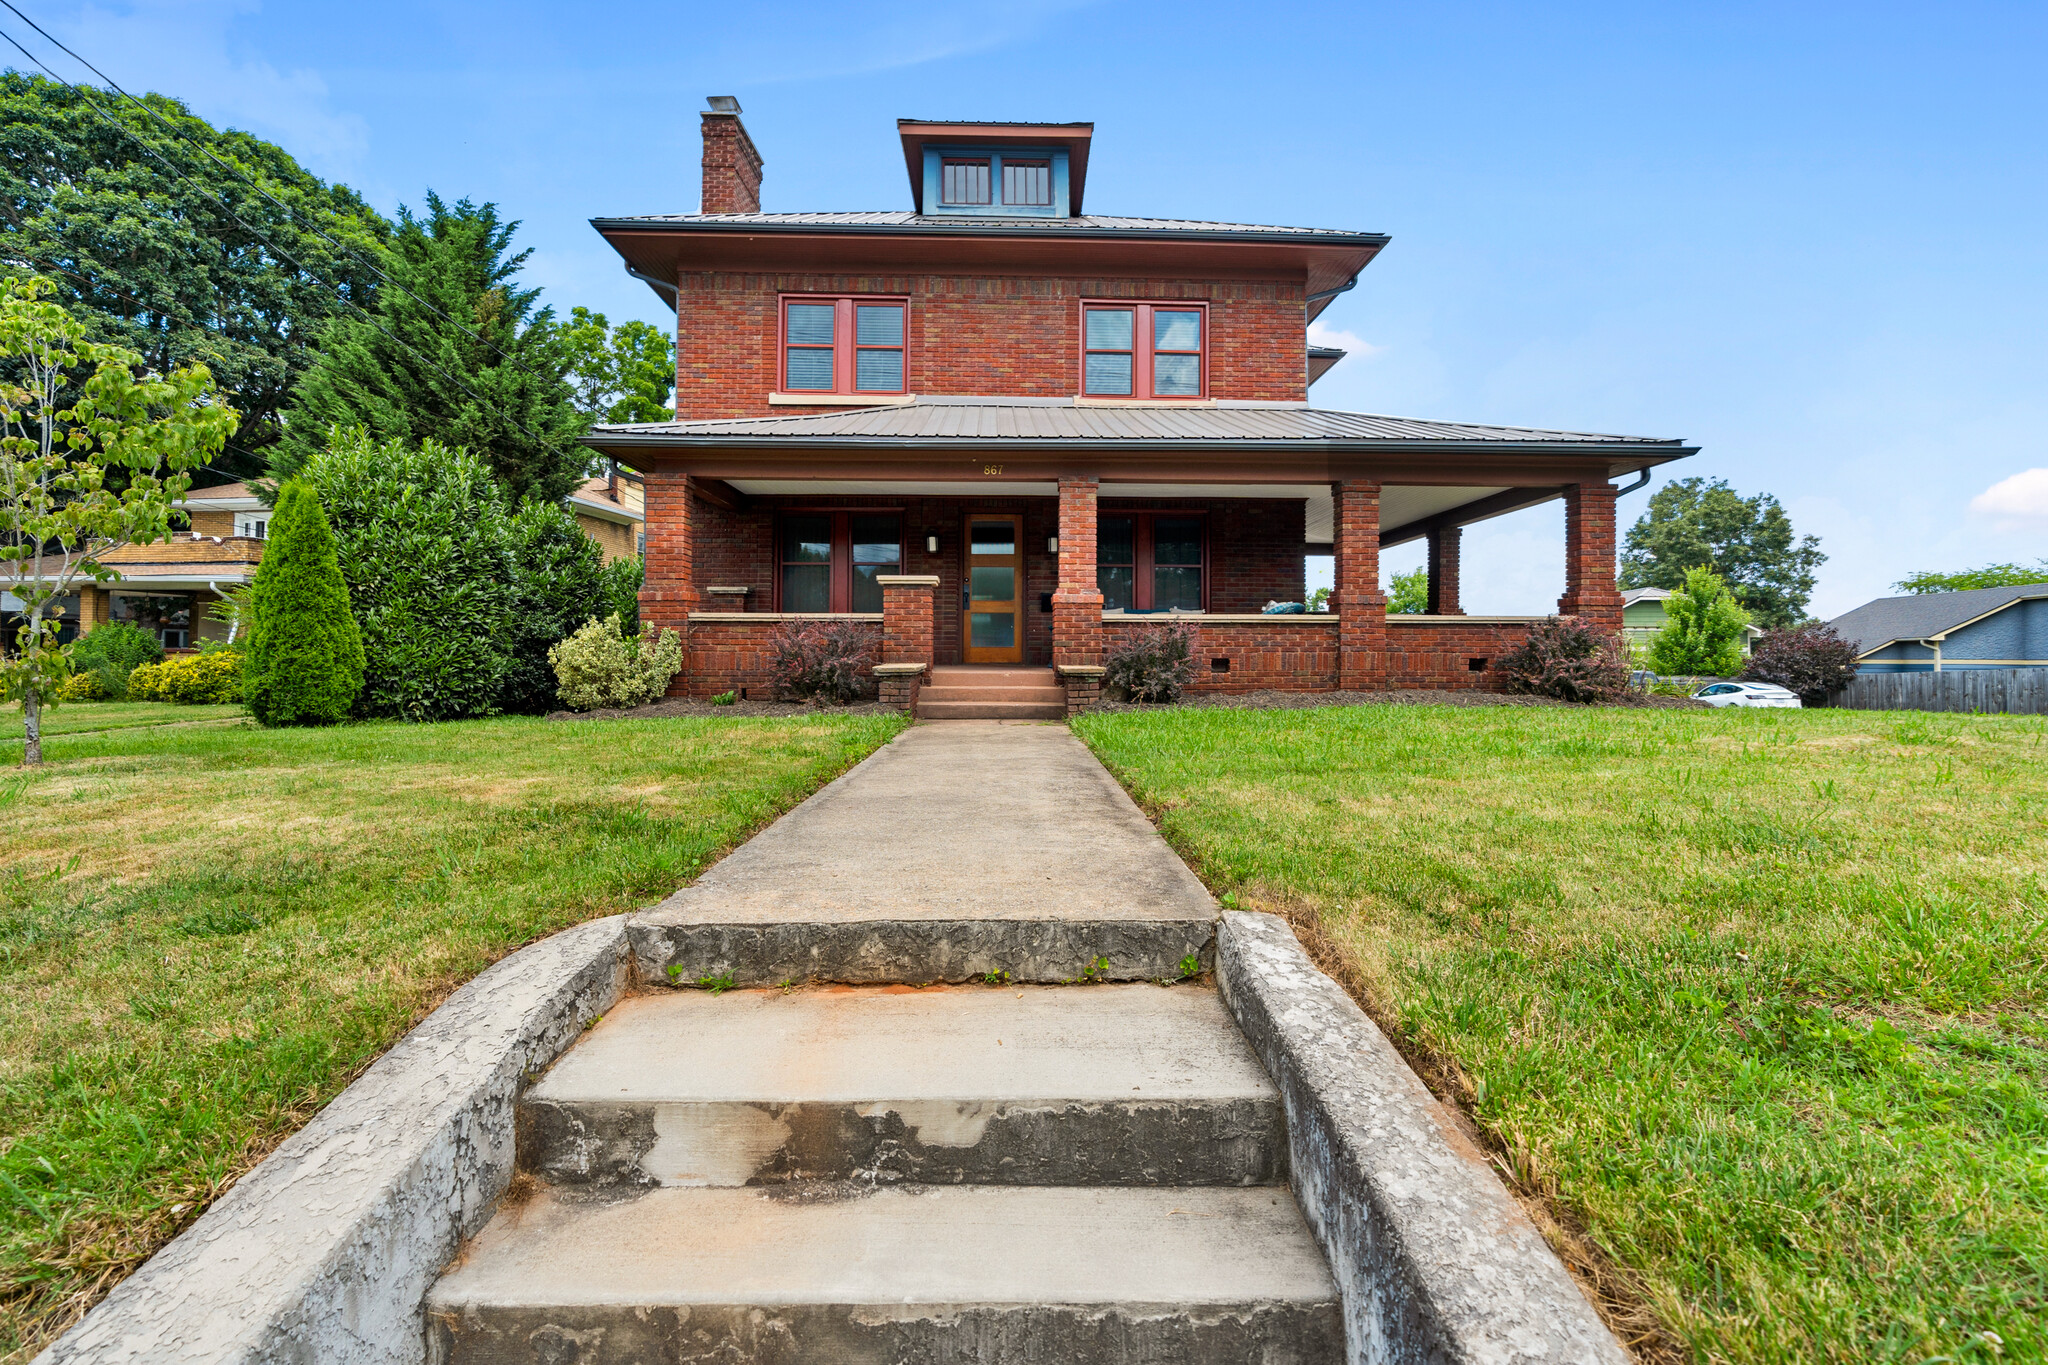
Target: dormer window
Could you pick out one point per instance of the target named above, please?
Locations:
(1027, 184)
(966, 182)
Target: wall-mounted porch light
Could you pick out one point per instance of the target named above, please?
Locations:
(1052, 545)
(931, 545)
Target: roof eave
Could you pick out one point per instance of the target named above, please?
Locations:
(1658, 451)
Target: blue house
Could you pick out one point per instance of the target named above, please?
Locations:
(1931, 632)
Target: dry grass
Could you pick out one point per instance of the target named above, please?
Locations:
(1752, 1003)
(205, 933)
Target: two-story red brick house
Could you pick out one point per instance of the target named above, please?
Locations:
(1006, 432)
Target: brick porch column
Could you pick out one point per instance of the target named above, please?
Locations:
(1361, 606)
(668, 592)
(907, 616)
(1443, 571)
(1077, 605)
(1589, 589)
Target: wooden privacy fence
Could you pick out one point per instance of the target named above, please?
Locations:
(2012, 691)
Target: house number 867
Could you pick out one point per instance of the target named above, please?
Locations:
(991, 469)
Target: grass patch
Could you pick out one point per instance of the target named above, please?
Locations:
(205, 933)
(1752, 999)
(85, 717)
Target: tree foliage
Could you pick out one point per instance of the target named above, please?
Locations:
(458, 355)
(305, 663)
(1411, 593)
(1811, 660)
(561, 583)
(1747, 542)
(619, 374)
(74, 412)
(152, 258)
(425, 546)
(109, 653)
(1990, 576)
(1703, 627)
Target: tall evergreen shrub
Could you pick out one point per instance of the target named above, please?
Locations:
(305, 663)
(1703, 625)
(426, 547)
(562, 583)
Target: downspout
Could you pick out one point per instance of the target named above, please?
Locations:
(1935, 645)
(675, 293)
(1317, 297)
(233, 623)
(1642, 477)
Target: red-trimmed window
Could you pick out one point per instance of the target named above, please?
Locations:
(843, 345)
(830, 561)
(1151, 561)
(1027, 183)
(1144, 350)
(965, 180)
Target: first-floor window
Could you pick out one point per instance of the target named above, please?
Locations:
(1149, 561)
(832, 561)
(169, 619)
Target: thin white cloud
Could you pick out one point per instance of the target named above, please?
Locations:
(861, 41)
(2016, 503)
(1352, 344)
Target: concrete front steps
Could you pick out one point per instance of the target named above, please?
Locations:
(879, 1174)
(991, 692)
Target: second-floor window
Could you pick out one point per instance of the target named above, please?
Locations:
(846, 345)
(1143, 350)
(253, 524)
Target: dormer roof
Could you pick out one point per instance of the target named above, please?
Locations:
(1069, 138)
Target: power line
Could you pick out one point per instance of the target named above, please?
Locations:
(284, 208)
(281, 252)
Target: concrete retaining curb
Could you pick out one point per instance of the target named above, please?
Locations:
(1436, 1262)
(326, 1250)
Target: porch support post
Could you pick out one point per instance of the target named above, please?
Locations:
(1077, 606)
(907, 617)
(1589, 590)
(668, 589)
(1443, 571)
(1361, 606)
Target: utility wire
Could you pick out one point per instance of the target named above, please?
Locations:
(315, 228)
(279, 251)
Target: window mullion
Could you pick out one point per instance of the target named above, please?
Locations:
(842, 346)
(1141, 353)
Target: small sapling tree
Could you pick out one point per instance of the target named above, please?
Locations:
(73, 411)
(1703, 629)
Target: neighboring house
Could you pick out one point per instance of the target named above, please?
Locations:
(1932, 632)
(1642, 619)
(1068, 423)
(610, 508)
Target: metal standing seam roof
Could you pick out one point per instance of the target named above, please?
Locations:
(1922, 616)
(906, 221)
(1062, 420)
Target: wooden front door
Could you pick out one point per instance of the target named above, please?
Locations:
(994, 626)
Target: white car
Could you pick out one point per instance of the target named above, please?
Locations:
(1747, 694)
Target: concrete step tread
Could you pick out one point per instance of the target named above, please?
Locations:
(954, 1045)
(992, 673)
(855, 1247)
(990, 710)
(981, 692)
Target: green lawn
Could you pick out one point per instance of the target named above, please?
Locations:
(205, 932)
(82, 717)
(1754, 999)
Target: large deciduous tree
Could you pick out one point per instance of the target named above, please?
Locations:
(1990, 576)
(619, 374)
(73, 412)
(135, 227)
(1747, 542)
(457, 354)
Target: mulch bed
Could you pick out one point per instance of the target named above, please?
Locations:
(1413, 696)
(692, 706)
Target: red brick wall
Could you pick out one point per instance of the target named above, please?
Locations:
(975, 335)
(1440, 653)
(1298, 656)
(730, 654)
(1589, 589)
(906, 623)
(732, 168)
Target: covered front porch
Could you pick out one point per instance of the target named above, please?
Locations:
(957, 544)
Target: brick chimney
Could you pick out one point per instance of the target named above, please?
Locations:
(732, 168)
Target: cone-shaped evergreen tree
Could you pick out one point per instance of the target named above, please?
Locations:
(306, 653)
(457, 354)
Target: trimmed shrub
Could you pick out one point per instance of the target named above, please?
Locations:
(305, 662)
(1154, 664)
(601, 665)
(111, 651)
(210, 679)
(825, 661)
(1811, 660)
(561, 583)
(81, 687)
(1570, 660)
(425, 546)
(1703, 629)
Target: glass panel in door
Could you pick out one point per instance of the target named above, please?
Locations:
(995, 591)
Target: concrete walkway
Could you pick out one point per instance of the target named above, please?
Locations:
(990, 1172)
(961, 848)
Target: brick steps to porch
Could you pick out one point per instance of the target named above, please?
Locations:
(968, 692)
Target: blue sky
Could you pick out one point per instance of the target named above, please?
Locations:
(1804, 237)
